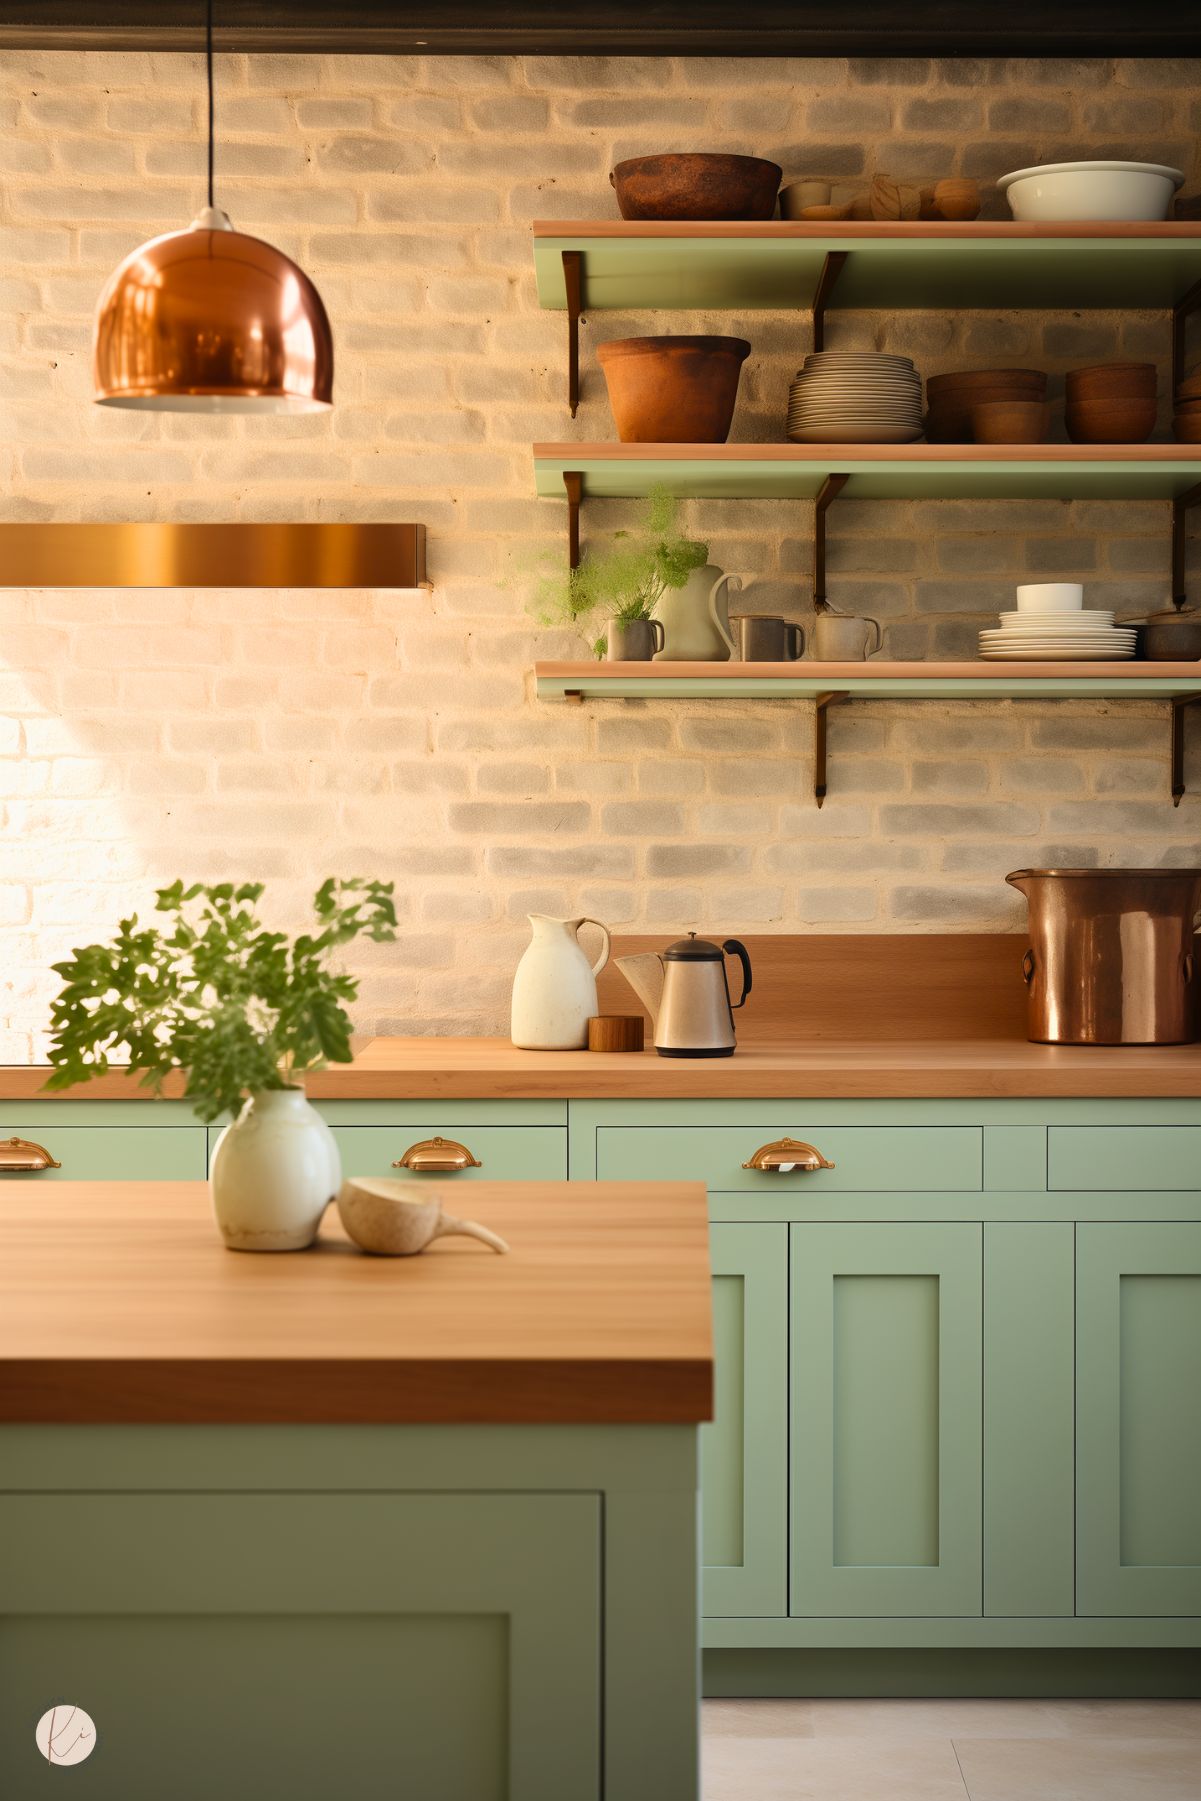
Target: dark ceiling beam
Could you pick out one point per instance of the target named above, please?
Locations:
(616, 27)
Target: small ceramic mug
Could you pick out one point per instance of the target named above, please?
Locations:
(636, 642)
(842, 638)
(765, 638)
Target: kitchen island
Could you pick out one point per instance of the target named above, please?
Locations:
(329, 1524)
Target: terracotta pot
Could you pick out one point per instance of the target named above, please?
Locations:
(696, 185)
(1112, 381)
(1110, 421)
(673, 390)
(1010, 421)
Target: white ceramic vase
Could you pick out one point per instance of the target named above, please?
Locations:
(554, 990)
(273, 1173)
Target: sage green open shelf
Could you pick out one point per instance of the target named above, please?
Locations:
(629, 265)
(873, 471)
(827, 684)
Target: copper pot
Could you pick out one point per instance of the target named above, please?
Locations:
(1112, 956)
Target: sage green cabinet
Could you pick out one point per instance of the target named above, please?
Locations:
(1138, 1360)
(1124, 1156)
(886, 1419)
(440, 1645)
(132, 1153)
(744, 1473)
(504, 1153)
(864, 1157)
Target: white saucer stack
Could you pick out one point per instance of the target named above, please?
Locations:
(855, 397)
(1052, 625)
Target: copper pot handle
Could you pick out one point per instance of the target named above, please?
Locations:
(785, 1155)
(1027, 967)
(437, 1156)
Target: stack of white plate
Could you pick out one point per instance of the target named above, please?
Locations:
(1052, 625)
(855, 397)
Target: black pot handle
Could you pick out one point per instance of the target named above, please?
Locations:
(733, 947)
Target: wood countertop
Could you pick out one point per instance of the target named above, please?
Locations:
(119, 1303)
(830, 1069)
(832, 1016)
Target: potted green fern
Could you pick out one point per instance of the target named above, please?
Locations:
(241, 1013)
(621, 585)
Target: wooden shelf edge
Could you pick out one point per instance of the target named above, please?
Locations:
(810, 671)
(841, 454)
(938, 230)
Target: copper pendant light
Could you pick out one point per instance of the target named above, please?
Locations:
(209, 320)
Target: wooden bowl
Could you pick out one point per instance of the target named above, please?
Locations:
(1110, 421)
(949, 420)
(1186, 428)
(696, 185)
(1011, 422)
(956, 198)
(1187, 406)
(1190, 387)
(1112, 381)
(1015, 380)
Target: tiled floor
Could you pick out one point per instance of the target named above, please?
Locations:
(952, 1751)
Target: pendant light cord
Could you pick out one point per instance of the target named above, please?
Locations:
(208, 58)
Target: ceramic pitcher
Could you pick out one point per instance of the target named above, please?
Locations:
(554, 990)
(696, 618)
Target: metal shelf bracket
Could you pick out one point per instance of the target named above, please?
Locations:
(573, 281)
(1181, 506)
(1185, 307)
(821, 706)
(1180, 705)
(832, 268)
(829, 491)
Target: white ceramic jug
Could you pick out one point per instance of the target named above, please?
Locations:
(696, 618)
(554, 990)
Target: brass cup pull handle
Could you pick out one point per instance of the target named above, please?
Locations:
(437, 1156)
(786, 1155)
(20, 1156)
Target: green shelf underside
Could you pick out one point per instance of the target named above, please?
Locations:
(774, 478)
(917, 687)
(749, 274)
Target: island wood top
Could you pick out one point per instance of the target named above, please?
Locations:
(119, 1303)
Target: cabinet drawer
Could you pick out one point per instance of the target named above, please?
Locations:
(1134, 1157)
(890, 1158)
(102, 1153)
(505, 1153)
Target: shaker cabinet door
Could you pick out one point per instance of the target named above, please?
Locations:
(886, 1419)
(744, 1475)
(294, 1647)
(1138, 1419)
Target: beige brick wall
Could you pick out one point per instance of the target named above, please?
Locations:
(288, 735)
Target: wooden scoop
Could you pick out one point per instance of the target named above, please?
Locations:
(382, 1216)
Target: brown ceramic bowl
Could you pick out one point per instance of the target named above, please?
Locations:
(696, 185)
(1173, 636)
(1110, 421)
(1010, 422)
(1190, 387)
(1111, 381)
(1032, 380)
(1186, 428)
(1187, 406)
(673, 390)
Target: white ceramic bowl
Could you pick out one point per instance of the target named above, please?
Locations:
(1091, 191)
(1050, 597)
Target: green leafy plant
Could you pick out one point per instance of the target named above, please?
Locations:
(624, 582)
(235, 1007)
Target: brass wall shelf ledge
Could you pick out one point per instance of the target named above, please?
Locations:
(828, 684)
(212, 556)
